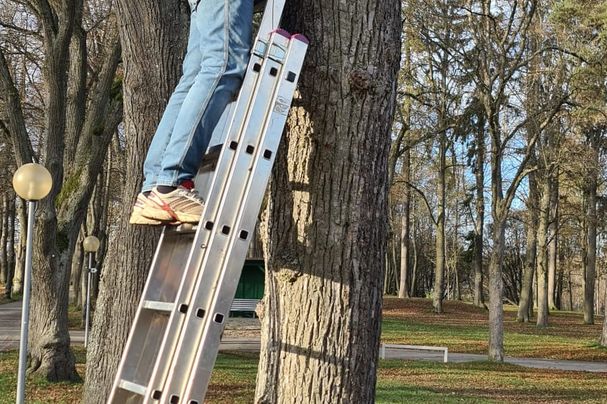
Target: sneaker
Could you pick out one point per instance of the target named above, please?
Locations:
(183, 205)
(140, 205)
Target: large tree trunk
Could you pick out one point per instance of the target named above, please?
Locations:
(50, 354)
(326, 219)
(153, 33)
(60, 214)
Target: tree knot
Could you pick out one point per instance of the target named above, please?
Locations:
(360, 80)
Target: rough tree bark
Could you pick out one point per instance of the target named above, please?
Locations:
(153, 33)
(326, 218)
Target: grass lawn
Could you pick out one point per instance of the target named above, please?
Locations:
(463, 328)
(399, 382)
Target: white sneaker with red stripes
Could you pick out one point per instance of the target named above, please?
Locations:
(182, 205)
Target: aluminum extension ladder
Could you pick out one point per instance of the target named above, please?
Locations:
(175, 337)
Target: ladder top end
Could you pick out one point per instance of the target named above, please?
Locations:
(301, 38)
(282, 32)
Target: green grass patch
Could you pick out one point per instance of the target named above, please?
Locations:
(74, 318)
(464, 328)
(38, 390)
(398, 382)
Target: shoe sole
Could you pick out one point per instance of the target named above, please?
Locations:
(138, 219)
(159, 214)
(187, 217)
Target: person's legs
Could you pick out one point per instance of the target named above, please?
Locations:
(225, 28)
(190, 68)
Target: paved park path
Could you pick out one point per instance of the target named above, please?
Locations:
(10, 319)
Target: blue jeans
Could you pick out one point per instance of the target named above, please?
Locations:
(214, 66)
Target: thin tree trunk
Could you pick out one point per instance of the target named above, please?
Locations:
(10, 247)
(439, 272)
(4, 224)
(413, 289)
(542, 256)
(332, 260)
(525, 308)
(405, 243)
(76, 273)
(479, 221)
(591, 235)
(603, 340)
(496, 291)
(152, 33)
(570, 284)
(20, 253)
(460, 181)
(553, 231)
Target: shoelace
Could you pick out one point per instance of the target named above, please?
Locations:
(191, 194)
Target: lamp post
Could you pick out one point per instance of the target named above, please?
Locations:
(91, 245)
(31, 182)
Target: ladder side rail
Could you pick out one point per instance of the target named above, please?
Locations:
(252, 199)
(121, 365)
(272, 15)
(223, 224)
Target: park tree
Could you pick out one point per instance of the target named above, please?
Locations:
(152, 33)
(57, 26)
(325, 232)
(586, 23)
(479, 198)
(501, 36)
(8, 213)
(434, 29)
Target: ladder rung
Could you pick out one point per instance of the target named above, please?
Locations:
(159, 306)
(132, 387)
(185, 228)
